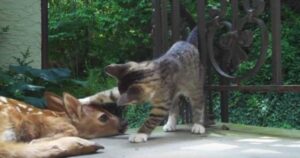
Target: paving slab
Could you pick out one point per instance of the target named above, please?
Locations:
(238, 142)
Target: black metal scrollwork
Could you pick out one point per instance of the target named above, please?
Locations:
(237, 37)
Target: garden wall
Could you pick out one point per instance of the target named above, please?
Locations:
(21, 23)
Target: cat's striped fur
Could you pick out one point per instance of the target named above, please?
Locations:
(161, 81)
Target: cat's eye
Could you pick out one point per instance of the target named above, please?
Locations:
(103, 118)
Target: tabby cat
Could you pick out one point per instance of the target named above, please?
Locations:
(160, 82)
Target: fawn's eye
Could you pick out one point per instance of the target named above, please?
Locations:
(103, 118)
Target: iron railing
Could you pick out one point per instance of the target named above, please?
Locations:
(223, 38)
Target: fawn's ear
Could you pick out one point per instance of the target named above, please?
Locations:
(72, 106)
(54, 102)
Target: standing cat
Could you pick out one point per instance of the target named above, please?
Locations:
(161, 81)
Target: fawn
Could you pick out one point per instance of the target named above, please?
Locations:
(54, 131)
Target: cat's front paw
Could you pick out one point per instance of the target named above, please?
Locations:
(198, 129)
(169, 127)
(138, 138)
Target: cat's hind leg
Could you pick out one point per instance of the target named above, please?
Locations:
(170, 126)
(197, 99)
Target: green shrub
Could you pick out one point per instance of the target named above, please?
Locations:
(29, 84)
(270, 110)
(137, 114)
(96, 81)
(94, 34)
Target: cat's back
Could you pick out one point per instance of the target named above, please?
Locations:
(184, 54)
(182, 48)
(181, 62)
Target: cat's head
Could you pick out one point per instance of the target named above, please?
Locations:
(135, 81)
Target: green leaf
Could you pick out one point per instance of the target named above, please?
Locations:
(79, 82)
(51, 75)
(32, 87)
(54, 75)
(4, 78)
(37, 102)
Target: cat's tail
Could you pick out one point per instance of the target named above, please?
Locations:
(193, 37)
(65, 146)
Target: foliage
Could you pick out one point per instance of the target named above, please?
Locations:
(4, 29)
(136, 114)
(268, 110)
(24, 59)
(94, 82)
(90, 34)
(28, 84)
(275, 110)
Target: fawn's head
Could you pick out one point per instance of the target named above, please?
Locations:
(90, 121)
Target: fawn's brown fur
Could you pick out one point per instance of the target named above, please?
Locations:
(55, 131)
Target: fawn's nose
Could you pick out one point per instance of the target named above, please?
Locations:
(123, 126)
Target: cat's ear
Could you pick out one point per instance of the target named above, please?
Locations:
(118, 70)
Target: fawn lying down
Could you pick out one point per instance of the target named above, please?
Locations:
(55, 131)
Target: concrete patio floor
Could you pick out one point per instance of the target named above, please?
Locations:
(238, 142)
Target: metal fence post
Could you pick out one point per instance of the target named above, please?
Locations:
(276, 42)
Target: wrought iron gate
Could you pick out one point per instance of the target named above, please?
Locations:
(225, 42)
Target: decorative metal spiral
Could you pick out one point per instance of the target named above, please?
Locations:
(237, 38)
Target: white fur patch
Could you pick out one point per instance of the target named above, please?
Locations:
(152, 95)
(103, 97)
(54, 113)
(170, 126)
(22, 105)
(85, 101)
(18, 109)
(3, 99)
(8, 135)
(39, 113)
(138, 138)
(198, 129)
